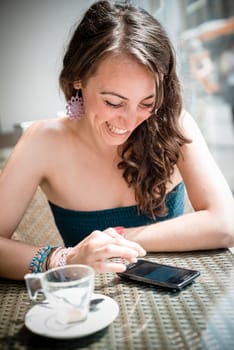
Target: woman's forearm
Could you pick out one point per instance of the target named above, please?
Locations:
(193, 231)
(15, 258)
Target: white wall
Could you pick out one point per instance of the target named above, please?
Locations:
(33, 38)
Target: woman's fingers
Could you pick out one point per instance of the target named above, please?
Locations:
(110, 236)
(116, 251)
(120, 240)
(112, 232)
(100, 246)
(104, 266)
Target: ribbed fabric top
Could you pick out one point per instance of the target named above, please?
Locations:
(75, 225)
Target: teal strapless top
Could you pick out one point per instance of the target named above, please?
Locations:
(75, 225)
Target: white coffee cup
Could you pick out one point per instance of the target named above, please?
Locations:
(68, 289)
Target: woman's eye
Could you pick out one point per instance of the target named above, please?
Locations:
(114, 105)
(148, 105)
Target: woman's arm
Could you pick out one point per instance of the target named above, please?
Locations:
(18, 183)
(211, 225)
(30, 164)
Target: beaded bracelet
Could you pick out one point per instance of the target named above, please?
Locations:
(57, 257)
(39, 259)
(63, 256)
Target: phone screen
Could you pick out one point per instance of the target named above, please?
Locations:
(158, 274)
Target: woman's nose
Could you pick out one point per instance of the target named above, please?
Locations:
(133, 117)
(129, 120)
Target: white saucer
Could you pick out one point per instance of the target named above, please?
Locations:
(40, 319)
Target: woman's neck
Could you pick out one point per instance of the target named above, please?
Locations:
(90, 141)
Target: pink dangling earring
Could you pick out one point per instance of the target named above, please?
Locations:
(75, 106)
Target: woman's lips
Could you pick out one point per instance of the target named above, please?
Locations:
(115, 130)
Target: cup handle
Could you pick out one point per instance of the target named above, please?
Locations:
(33, 284)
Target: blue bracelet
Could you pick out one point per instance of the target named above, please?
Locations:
(39, 259)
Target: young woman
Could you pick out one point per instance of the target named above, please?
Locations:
(121, 157)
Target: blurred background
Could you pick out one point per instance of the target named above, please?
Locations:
(33, 39)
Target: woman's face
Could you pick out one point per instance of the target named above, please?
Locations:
(118, 98)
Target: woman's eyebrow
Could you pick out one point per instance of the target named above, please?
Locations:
(123, 97)
(114, 94)
(148, 97)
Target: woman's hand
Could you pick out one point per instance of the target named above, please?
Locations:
(100, 246)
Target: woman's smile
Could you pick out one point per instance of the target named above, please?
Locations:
(116, 130)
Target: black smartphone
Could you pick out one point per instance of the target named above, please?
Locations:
(160, 275)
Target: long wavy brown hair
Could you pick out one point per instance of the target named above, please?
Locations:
(149, 155)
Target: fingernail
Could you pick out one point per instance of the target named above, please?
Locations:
(123, 268)
(133, 260)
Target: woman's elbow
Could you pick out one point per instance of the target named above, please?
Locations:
(227, 230)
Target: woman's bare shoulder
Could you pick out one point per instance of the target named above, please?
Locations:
(189, 125)
(46, 127)
(45, 132)
(41, 141)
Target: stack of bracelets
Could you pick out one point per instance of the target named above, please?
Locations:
(42, 255)
(54, 256)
